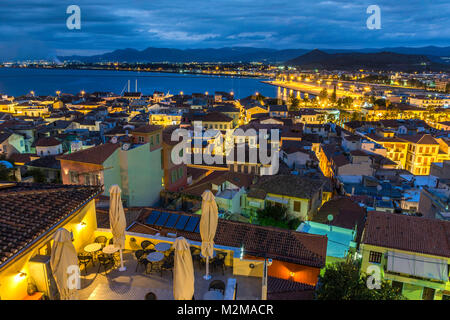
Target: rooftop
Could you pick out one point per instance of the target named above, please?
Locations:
(30, 210)
(409, 233)
(93, 155)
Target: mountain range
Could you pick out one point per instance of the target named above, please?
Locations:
(383, 56)
(317, 59)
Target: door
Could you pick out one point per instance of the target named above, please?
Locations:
(428, 294)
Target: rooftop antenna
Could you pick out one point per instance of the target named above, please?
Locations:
(136, 85)
(128, 85)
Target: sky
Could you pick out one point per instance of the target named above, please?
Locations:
(34, 29)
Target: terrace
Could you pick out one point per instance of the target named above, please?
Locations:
(134, 285)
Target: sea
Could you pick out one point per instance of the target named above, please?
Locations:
(21, 81)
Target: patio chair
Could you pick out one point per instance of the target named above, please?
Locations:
(219, 262)
(217, 285)
(84, 259)
(141, 260)
(106, 262)
(147, 245)
(102, 240)
(167, 265)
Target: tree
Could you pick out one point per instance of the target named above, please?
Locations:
(276, 216)
(293, 103)
(343, 281)
(333, 97)
(323, 95)
(38, 175)
(6, 174)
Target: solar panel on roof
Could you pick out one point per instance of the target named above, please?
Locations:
(172, 220)
(192, 223)
(181, 222)
(197, 230)
(162, 219)
(152, 217)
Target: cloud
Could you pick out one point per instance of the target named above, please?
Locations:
(182, 35)
(111, 24)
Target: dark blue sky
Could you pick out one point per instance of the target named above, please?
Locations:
(37, 28)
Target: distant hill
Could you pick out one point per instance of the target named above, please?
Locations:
(318, 59)
(232, 54)
(250, 54)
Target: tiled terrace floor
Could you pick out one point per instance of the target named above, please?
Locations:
(131, 285)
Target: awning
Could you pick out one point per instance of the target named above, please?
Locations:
(418, 266)
(276, 199)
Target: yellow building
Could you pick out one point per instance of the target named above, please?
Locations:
(412, 253)
(414, 153)
(30, 217)
(421, 152)
(7, 106)
(163, 119)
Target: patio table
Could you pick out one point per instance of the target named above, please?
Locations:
(155, 257)
(163, 246)
(110, 249)
(213, 295)
(93, 247)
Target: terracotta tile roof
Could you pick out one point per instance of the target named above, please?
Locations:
(148, 128)
(340, 160)
(94, 155)
(271, 242)
(4, 136)
(22, 158)
(29, 211)
(419, 139)
(215, 117)
(346, 214)
(289, 185)
(49, 162)
(281, 289)
(47, 142)
(409, 233)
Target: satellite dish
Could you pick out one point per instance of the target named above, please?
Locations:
(126, 146)
(330, 217)
(114, 140)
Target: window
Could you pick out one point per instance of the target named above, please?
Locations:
(375, 257)
(87, 179)
(141, 139)
(73, 177)
(297, 206)
(157, 139)
(151, 140)
(428, 293)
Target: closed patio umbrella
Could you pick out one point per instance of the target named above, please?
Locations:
(117, 220)
(208, 226)
(64, 265)
(183, 271)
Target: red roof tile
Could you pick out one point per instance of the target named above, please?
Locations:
(409, 233)
(29, 211)
(94, 155)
